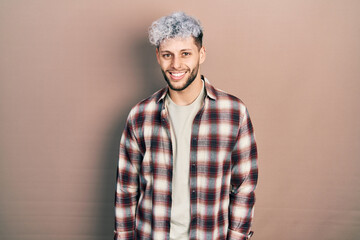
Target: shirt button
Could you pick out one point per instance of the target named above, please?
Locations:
(193, 195)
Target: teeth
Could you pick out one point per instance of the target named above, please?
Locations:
(177, 74)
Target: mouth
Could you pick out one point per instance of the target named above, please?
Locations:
(177, 75)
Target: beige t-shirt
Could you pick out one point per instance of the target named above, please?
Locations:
(181, 118)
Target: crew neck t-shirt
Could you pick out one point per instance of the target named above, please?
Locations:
(181, 119)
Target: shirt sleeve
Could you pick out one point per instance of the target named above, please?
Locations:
(127, 184)
(244, 174)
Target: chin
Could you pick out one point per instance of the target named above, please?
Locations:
(181, 86)
(178, 87)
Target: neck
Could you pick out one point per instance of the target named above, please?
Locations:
(189, 94)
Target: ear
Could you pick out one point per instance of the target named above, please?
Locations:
(157, 55)
(202, 54)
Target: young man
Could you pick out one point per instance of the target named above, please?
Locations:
(188, 160)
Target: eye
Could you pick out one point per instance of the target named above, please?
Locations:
(186, 54)
(166, 55)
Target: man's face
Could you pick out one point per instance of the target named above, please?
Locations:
(179, 59)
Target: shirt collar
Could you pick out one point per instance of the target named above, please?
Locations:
(209, 90)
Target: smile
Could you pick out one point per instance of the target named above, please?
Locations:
(177, 75)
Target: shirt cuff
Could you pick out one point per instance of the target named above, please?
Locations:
(234, 235)
(129, 235)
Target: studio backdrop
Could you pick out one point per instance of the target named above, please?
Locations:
(71, 70)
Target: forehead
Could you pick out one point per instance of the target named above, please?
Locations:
(177, 44)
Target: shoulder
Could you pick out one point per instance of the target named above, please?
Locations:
(149, 105)
(231, 108)
(228, 101)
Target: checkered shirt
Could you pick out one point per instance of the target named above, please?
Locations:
(223, 170)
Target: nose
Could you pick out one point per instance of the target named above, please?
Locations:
(176, 62)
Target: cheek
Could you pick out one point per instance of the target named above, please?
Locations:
(163, 65)
(193, 64)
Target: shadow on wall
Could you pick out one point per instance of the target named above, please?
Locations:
(150, 81)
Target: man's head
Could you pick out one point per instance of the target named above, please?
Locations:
(179, 50)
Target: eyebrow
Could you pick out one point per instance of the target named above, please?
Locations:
(182, 50)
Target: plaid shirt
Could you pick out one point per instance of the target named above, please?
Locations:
(223, 170)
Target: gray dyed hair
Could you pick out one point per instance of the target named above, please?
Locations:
(177, 24)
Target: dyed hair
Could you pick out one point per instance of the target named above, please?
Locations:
(175, 25)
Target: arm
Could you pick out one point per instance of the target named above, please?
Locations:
(127, 185)
(244, 173)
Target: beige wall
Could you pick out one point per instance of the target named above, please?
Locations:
(70, 71)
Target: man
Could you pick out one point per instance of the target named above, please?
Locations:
(188, 160)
